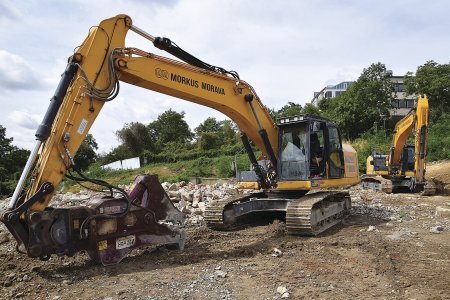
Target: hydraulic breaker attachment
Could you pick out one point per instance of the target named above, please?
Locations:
(107, 228)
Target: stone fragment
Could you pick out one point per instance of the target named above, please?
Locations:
(173, 187)
(4, 237)
(186, 196)
(220, 274)
(282, 289)
(437, 229)
(276, 252)
(195, 203)
(372, 228)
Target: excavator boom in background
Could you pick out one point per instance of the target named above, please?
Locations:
(404, 167)
(299, 154)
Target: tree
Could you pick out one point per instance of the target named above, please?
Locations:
(136, 137)
(209, 125)
(289, 110)
(12, 161)
(364, 103)
(433, 80)
(86, 153)
(118, 153)
(212, 134)
(312, 110)
(170, 126)
(228, 133)
(209, 140)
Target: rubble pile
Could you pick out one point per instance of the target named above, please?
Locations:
(192, 199)
(189, 198)
(373, 204)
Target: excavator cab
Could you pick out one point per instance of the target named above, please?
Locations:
(310, 147)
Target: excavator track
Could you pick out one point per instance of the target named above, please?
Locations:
(214, 212)
(307, 215)
(378, 183)
(315, 213)
(429, 188)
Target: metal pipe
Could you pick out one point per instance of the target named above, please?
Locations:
(25, 172)
(142, 33)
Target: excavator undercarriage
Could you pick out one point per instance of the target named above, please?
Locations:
(309, 214)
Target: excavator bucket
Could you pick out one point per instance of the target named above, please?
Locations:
(152, 219)
(108, 228)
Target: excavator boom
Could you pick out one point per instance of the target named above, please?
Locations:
(109, 227)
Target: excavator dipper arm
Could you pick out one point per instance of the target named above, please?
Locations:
(108, 228)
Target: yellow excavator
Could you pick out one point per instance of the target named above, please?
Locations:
(299, 154)
(404, 167)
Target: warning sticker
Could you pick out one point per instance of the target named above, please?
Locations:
(82, 126)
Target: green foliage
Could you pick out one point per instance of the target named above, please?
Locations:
(289, 110)
(208, 141)
(439, 139)
(12, 162)
(118, 153)
(379, 141)
(312, 110)
(170, 126)
(86, 153)
(209, 125)
(136, 138)
(364, 103)
(223, 167)
(433, 80)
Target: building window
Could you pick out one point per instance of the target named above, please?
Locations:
(402, 104)
(328, 94)
(409, 103)
(338, 93)
(394, 104)
(399, 87)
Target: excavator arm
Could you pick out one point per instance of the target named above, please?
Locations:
(92, 77)
(416, 121)
(405, 166)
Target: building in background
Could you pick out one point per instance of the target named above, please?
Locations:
(402, 104)
(330, 91)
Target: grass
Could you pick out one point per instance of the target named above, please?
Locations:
(170, 172)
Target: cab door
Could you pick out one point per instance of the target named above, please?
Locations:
(335, 160)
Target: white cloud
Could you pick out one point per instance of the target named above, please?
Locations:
(16, 73)
(286, 50)
(25, 119)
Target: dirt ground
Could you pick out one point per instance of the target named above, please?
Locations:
(391, 247)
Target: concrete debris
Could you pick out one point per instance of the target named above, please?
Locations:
(443, 211)
(4, 237)
(282, 290)
(372, 228)
(220, 274)
(437, 229)
(172, 187)
(277, 252)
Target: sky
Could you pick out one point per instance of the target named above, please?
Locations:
(286, 50)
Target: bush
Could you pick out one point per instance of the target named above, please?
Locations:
(379, 141)
(439, 139)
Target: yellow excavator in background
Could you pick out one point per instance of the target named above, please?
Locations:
(404, 167)
(299, 154)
